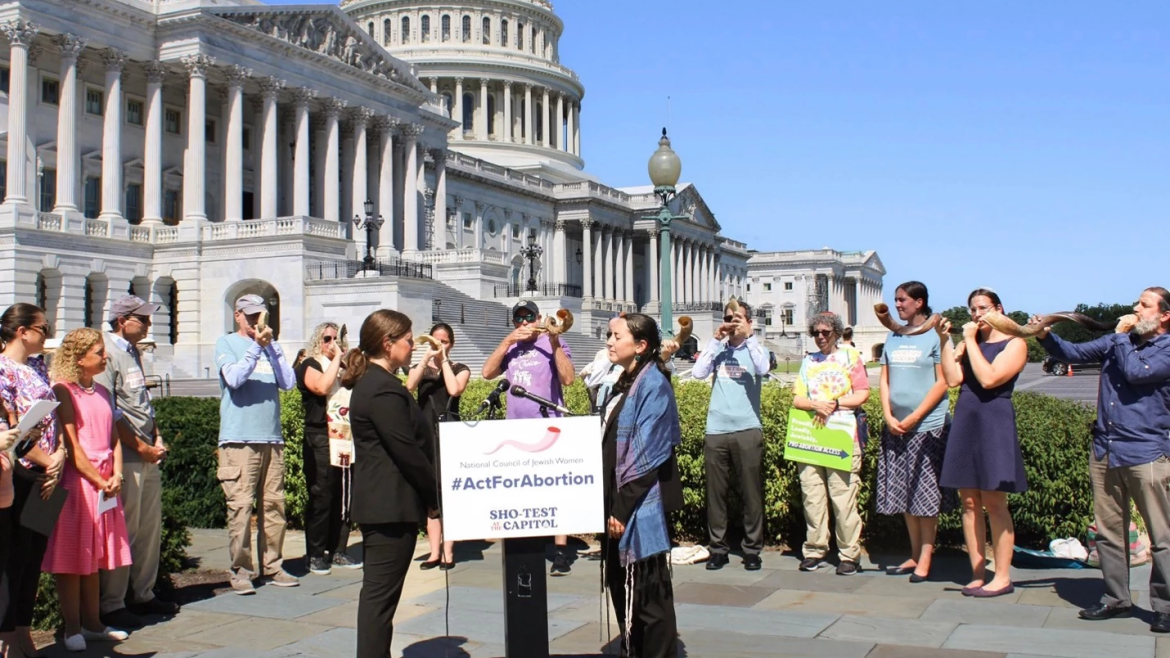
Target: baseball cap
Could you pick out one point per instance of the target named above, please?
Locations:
(131, 305)
(525, 305)
(250, 304)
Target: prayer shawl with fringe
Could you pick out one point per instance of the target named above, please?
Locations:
(647, 432)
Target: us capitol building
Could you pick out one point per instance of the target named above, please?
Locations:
(192, 151)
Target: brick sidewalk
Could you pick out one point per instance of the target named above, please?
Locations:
(778, 611)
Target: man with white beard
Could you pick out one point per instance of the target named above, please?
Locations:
(1131, 448)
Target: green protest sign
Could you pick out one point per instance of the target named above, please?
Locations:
(830, 446)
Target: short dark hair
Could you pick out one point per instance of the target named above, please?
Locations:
(847, 334)
(747, 309)
(445, 327)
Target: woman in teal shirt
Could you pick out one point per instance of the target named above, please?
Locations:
(913, 393)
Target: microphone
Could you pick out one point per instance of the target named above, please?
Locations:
(493, 398)
(521, 392)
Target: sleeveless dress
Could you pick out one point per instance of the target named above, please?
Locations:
(983, 450)
(82, 541)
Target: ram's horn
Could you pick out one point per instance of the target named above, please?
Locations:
(342, 338)
(1003, 323)
(685, 327)
(732, 305)
(426, 339)
(559, 323)
(883, 315)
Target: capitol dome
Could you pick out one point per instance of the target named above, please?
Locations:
(497, 68)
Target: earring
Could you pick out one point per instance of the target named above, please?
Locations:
(638, 358)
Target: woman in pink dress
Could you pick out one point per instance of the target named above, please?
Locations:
(86, 539)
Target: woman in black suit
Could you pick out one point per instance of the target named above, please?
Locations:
(394, 486)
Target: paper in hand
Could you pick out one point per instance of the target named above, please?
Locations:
(106, 502)
(34, 415)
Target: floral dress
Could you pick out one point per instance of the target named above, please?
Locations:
(21, 385)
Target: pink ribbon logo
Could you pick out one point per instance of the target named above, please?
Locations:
(550, 439)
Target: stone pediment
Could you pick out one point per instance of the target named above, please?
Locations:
(873, 261)
(326, 31)
(690, 203)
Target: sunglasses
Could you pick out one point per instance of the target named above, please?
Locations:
(143, 319)
(527, 317)
(327, 339)
(823, 333)
(729, 318)
(45, 329)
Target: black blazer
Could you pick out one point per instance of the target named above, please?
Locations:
(393, 470)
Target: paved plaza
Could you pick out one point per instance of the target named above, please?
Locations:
(778, 611)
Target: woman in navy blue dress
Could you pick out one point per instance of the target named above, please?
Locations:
(983, 459)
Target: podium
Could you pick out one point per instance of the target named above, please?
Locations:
(522, 481)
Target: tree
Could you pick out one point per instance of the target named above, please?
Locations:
(958, 315)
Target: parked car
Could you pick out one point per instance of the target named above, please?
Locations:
(1060, 368)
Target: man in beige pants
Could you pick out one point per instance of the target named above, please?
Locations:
(1130, 456)
(252, 372)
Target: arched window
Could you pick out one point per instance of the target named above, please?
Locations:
(539, 122)
(42, 294)
(532, 41)
(174, 313)
(450, 102)
(425, 28)
(504, 33)
(446, 26)
(386, 31)
(491, 114)
(468, 111)
(466, 36)
(370, 28)
(487, 31)
(520, 36)
(406, 29)
(88, 302)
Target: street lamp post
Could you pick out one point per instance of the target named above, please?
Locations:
(665, 169)
(370, 224)
(532, 252)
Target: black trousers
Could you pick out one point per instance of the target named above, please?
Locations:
(325, 529)
(25, 555)
(388, 550)
(5, 541)
(744, 451)
(654, 631)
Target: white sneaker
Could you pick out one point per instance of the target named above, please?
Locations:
(75, 642)
(107, 634)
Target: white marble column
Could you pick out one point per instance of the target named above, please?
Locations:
(195, 167)
(652, 265)
(233, 144)
(705, 274)
(569, 148)
(675, 269)
(528, 114)
(481, 128)
(619, 269)
(114, 60)
(70, 47)
(439, 236)
(152, 153)
(359, 180)
(587, 259)
(457, 114)
(509, 134)
(301, 181)
(410, 232)
(20, 35)
(477, 235)
(577, 129)
(560, 255)
(332, 187)
(599, 260)
(386, 127)
(629, 268)
(320, 137)
(545, 125)
(560, 123)
(269, 91)
(434, 86)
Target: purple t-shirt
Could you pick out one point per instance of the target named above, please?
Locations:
(532, 366)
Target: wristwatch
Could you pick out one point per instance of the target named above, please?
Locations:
(836, 405)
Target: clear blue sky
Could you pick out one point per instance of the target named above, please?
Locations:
(1023, 146)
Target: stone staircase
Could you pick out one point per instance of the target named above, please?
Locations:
(480, 325)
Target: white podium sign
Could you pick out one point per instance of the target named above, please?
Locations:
(521, 478)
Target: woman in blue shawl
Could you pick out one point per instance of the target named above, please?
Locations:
(641, 486)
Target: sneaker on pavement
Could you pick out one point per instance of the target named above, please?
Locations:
(154, 606)
(847, 568)
(282, 579)
(812, 563)
(122, 618)
(107, 634)
(319, 566)
(344, 561)
(242, 586)
(560, 565)
(75, 642)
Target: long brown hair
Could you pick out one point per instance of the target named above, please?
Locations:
(375, 329)
(15, 317)
(642, 327)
